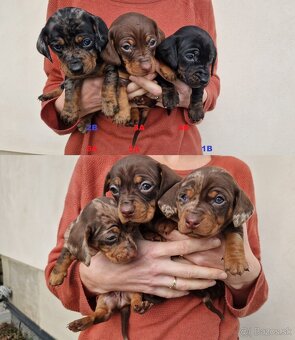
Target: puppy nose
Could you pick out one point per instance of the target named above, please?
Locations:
(145, 63)
(76, 67)
(192, 221)
(127, 209)
(204, 80)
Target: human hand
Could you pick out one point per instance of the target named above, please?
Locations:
(90, 97)
(153, 271)
(213, 258)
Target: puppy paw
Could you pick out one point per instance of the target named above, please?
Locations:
(44, 97)
(110, 107)
(164, 228)
(196, 112)
(57, 279)
(80, 324)
(170, 99)
(143, 307)
(82, 125)
(235, 265)
(122, 118)
(69, 117)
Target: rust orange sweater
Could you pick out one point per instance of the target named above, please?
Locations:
(162, 134)
(183, 318)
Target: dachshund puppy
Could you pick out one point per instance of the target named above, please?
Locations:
(191, 53)
(137, 182)
(98, 228)
(133, 39)
(77, 38)
(206, 203)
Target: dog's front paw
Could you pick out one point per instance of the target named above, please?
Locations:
(83, 124)
(80, 324)
(57, 279)
(196, 112)
(235, 265)
(110, 106)
(69, 117)
(143, 307)
(167, 73)
(123, 117)
(170, 99)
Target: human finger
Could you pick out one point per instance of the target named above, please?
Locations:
(137, 93)
(149, 85)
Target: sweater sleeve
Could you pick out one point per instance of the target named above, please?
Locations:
(206, 20)
(54, 79)
(71, 292)
(259, 290)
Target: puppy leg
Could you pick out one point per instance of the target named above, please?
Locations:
(59, 271)
(53, 94)
(105, 306)
(123, 116)
(110, 105)
(166, 72)
(234, 258)
(70, 112)
(138, 305)
(170, 97)
(195, 110)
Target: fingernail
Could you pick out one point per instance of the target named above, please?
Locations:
(212, 283)
(222, 276)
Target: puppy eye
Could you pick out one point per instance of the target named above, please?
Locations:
(152, 42)
(219, 199)
(86, 42)
(111, 239)
(114, 190)
(145, 186)
(190, 56)
(126, 47)
(183, 198)
(57, 48)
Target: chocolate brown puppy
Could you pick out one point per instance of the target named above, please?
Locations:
(191, 54)
(137, 182)
(206, 203)
(98, 229)
(77, 38)
(133, 39)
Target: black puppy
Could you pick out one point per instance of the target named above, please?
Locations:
(191, 53)
(77, 38)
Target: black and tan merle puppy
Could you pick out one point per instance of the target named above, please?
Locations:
(77, 38)
(191, 53)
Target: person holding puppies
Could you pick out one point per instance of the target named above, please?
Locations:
(163, 133)
(199, 262)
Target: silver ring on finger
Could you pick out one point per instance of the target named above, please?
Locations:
(173, 285)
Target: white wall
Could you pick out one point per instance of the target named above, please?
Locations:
(254, 114)
(33, 191)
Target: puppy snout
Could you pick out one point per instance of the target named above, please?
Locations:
(145, 63)
(203, 78)
(76, 67)
(192, 221)
(127, 209)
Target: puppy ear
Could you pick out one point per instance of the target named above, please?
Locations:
(42, 44)
(243, 209)
(167, 203)
(160, 36)
(109, 54)
(78, 241)
(168, 179)
(167, 52)
(106, 186)
(101, 33)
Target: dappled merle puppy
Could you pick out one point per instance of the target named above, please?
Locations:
(77, 38)
(191, 53)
